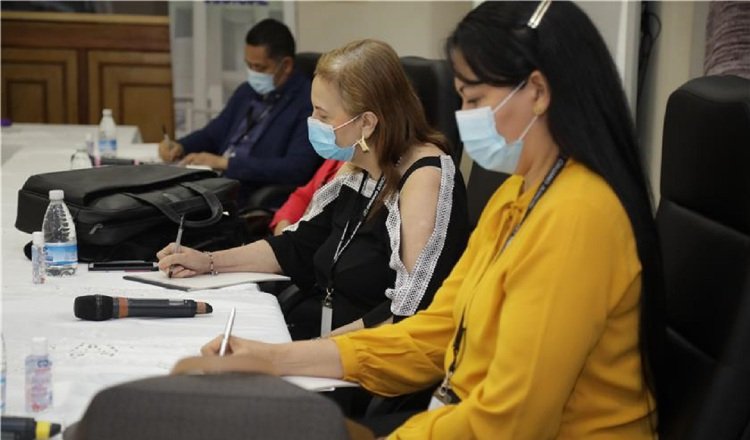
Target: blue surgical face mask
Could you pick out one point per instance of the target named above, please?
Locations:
(484, 144)
(323, 139)
(260, 82)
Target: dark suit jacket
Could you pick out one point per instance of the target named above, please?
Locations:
(282, 153)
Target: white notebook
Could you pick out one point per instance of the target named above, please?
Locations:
(202, 282)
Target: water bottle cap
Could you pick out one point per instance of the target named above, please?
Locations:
(56, 194)
(107, 112)
(39, 346)
(37, 237)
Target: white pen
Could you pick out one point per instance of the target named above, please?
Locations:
(227, 333)
(177, 242)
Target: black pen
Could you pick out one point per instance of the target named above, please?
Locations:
(177, 242)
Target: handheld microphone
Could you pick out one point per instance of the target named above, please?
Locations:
(103, 307)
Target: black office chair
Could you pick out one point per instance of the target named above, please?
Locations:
(230, 406)
(480, 187)
(305, 63)
(704, 226)
(433, 82)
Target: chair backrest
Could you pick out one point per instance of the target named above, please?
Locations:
(305, 62)
(480, 187)
(433, 82)
(193, 407)
(704, 227)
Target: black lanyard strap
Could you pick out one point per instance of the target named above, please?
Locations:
(444, 390)
(347, 238)
(548, 179)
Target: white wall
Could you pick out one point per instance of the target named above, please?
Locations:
(619, 24)
(420, 28)
(676, 58)
(412, 28)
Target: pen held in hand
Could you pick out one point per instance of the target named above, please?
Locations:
(164, 132)
(227, 333)
(177, 242)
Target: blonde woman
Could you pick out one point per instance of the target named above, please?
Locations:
(379, 239)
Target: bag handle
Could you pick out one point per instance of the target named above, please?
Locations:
(212, 201)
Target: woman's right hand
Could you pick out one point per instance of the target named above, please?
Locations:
(185, 263)
(242, 355)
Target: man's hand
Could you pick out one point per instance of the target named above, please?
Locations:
(170, 151)
(214, 161)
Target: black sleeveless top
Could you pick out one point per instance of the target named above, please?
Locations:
(368, 269)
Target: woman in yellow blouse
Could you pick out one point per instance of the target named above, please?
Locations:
(548, 325)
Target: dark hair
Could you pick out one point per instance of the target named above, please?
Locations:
(588, 118)
(274, 35)
(370, 77)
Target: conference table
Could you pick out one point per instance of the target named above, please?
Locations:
(88, 356)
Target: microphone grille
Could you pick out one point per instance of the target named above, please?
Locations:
(93, 307)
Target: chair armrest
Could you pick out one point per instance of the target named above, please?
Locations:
(269, 197)
(289, 298)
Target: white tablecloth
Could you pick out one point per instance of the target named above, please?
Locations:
(88, 356)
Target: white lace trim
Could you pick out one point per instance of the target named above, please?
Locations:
(410, 288)
(330, 191)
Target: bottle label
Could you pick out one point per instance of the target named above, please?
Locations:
(108, 147)
(60, 253)
(38, 383)
(2, 392)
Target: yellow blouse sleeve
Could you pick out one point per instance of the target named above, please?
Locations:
(407, 356)
(571, 264)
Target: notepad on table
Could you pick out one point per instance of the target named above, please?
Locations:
(202, 282)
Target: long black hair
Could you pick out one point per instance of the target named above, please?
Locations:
(588, 118)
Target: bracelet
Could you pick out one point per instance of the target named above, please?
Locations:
(211, 269)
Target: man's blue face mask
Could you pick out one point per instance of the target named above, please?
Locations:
(482, 141)
(323, 139)
(262, 83)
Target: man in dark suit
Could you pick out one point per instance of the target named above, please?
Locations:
(260, 137)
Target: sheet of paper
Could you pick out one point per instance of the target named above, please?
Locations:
(318, 383)
(144, 153)
(201, 282)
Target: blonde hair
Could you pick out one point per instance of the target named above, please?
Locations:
(369, 77)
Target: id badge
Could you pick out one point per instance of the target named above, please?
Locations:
(435, 403)
(326, 319)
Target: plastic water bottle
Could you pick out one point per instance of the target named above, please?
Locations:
(80, 159)
(60, 245)
(3, 377)
(38, 377)
(38, 260)
(107, 135)
(90, 145)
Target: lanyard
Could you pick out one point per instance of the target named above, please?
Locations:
(344, 241)
(445, 387)
(250, 123)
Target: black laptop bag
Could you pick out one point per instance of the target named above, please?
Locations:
(131, 212)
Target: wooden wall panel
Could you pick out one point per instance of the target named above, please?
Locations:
(66, 67)
(39, 85)
(136, 86)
